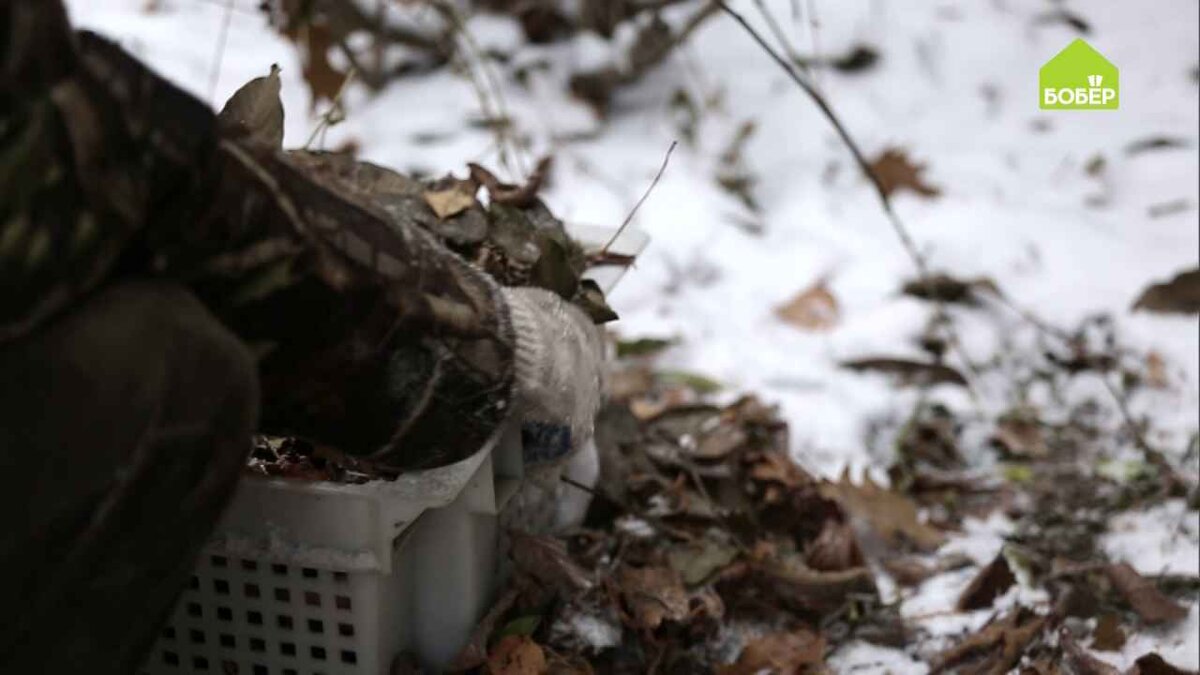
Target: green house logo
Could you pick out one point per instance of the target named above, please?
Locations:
(1079, 78)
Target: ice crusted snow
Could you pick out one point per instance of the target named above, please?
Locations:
(956, 86)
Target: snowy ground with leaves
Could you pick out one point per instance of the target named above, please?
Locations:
(1067, 212)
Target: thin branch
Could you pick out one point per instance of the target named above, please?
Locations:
(335, 113)
(629, 218)
(830, 115)
(897, 225)
(486, 79)
(1153, 456)
(222, 38)
(814, 36)
(781, 37)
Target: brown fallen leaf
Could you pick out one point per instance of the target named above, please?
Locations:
(697, 561)
(652, 595)
(316, 40)
(448, 203)
(912, 570)
(1155, 143)
(813, 309)
(783, 653)
(1180, 295)
(1155, 375)
(894, 171)
(516, 655)
(1065, 17)
(547, 560)
(807, 590)
(718, 443)
(775, 467)
(995, 648)
(1153, 664)
(520, 196)
(1143, 596)
(835, 548)
(1108, 636)
(909, 570)
(255, 111)
(908, 372)
(1019, 434)
(946, 288)
(1079, 661)
(891, 515)
(991, 582)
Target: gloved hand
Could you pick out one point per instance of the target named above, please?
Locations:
(559, 367)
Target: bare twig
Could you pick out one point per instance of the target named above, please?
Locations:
(222, 38)
(780, 36)
(335, 113)
(629, 218)
(898, 227)
(814, 36)
(474, 59)
(1153, 456)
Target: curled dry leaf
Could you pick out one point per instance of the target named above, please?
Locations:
(1143, 596)
(891, 515)
(1153, 664)
(1108, 635)
(1155, 375)
(516, 655)
(1020, 435)
(994, 649)
(1180, 295)
(800, 588)
(520, 196)
(547, 560)
(946, 288)
(835, 548)
(255, 111)
(913, 570)
(697, 561)
(1079, 661)
(895, 171)
(908, 372)
(652, 595)
(991, 582)
(775, 467)
(448, 203)
(718, 443)
(813, 309)
(317, 40)
(783, 653)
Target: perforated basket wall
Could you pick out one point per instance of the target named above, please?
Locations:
(321, 579)
(245, 615)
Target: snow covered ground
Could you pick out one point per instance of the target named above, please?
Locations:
(956, 86)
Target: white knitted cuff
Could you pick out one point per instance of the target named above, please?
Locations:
(558, 363)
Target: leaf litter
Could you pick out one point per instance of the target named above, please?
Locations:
(708, 548)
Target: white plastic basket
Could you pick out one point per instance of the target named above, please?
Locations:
(308, 578)
(318, 578)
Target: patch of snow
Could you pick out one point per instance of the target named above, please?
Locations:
(1159, 540)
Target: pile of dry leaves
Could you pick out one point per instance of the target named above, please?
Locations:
(709, 549)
